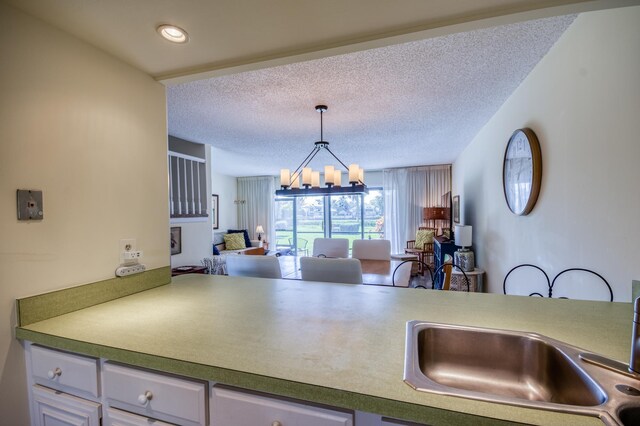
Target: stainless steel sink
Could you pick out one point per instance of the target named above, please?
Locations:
(516, 368)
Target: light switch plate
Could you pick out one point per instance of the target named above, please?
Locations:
(30, 205)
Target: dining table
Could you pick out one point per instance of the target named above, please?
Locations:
(374, 272)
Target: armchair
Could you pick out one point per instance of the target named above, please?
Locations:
(422, 246)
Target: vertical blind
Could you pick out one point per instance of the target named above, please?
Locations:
(187, 186)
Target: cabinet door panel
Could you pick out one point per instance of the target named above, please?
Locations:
(231, 407)
(54, 408)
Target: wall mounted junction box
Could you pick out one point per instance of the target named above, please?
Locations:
(30, 205)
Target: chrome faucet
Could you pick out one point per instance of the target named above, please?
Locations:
(631, 370)
(634, 359)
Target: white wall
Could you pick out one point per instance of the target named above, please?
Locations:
(227, 189)
(583, 102)
(90, 132)
(197, 238)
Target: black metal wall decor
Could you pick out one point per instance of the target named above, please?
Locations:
(551, 283)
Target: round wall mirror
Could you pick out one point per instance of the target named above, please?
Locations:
(522, 171)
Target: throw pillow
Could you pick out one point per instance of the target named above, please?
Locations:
(234, 241)
(424, 236)
(216, 252)
(247, 241)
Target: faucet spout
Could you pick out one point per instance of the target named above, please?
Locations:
(634, 359)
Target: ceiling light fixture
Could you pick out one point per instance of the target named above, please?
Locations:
(305, 182)
(172, 33)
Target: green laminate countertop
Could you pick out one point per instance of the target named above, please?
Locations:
(329, 343)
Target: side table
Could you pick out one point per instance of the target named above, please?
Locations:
(476, 280)
(181, 270)
(408, 256)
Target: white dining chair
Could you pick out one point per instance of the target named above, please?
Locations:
(347, 271)
(331, 247)
(240, 265)
(402, 274)
(371, 249)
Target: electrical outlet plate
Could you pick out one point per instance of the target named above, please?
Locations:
(126, 245)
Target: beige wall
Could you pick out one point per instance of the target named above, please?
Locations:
(90, 132)
(583, 101)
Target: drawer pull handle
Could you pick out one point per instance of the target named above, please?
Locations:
(52, 374)
(145, 397)
(276, 423)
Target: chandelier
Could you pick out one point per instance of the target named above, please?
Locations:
(306, 182)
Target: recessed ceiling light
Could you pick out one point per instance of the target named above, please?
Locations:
(172, 33)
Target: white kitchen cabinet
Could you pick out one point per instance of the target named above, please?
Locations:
(74, 390)
(159, 396)
(71, 373)
(115, 417)
(242, 408)
(55, 408)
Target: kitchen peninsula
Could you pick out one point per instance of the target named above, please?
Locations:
(333, 344)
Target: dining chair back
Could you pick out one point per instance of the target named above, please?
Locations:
(300, 245)
(331, 247)
(347, 271)
(239, 265)
(402, 274)
(371, 249)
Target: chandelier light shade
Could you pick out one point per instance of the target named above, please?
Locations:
(304, 181)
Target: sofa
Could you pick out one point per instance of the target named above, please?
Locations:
(217, 263)
(255, 246)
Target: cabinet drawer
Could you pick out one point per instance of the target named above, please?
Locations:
(64, 371)
(115, 417)
(233, 407)
(159, 396)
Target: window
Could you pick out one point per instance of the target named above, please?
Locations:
(300, 220)
(187, 186)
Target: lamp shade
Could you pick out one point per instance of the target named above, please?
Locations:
(463, 235)
(329, 174)
(315, 179)
(306, 176)
(285, 177)
(337, 178)
(354, 171)
(259, 229)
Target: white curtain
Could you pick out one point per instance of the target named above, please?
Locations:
(255, 205)
(406, 192)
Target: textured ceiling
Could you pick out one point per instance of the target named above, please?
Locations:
(410, 104)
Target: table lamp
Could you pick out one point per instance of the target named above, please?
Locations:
(259, 231)
(464, 258)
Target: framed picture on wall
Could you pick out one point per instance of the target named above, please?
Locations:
(215, 214)
(456, 209)
(176, 240)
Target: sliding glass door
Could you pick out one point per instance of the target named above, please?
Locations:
(301, 220)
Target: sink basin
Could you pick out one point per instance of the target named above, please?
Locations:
(630, 416)
(510, 365)
(515, 368)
